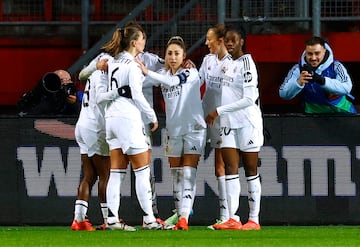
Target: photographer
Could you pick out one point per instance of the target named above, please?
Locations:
(54, 94)
(323, 81)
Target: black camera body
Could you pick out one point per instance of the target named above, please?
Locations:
(68, 89)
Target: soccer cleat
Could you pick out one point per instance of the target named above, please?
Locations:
(81, 226)
(103, 227)
(182, 224)
(251, 225)
(152, 226)
(211, 227)
(173, 219)
(121, 226)
(165, 226)
(231, 224)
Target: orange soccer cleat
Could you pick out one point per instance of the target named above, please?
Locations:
(182, 224)
(251, 225)
(81, 226)
(231, 224)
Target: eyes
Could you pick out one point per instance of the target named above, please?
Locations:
(171, 53)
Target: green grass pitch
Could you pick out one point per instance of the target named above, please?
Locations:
(196, 236)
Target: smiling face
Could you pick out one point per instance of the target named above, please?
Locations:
(314, 54)
(213, 42)
(174, 57)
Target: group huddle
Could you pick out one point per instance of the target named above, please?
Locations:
(117, 118)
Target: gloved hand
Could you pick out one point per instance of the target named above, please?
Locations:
(318, 79)
(125, 91)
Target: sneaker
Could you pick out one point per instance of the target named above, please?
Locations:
(231, 224)
(173, 219)
(165, 225)
(251, 225)
(81, 226)
(121, 226)
(182, 224)
(152, 226)
(103, 227)
(211, 227)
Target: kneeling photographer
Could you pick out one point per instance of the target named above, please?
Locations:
(54, 94)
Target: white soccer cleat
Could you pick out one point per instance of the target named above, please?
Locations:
(121, 226)
(152, 226)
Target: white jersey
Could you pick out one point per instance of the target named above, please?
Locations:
(212, 71)
(184, 111)
(92, 114)
(122, 71)
(240, 95)
(152, 62)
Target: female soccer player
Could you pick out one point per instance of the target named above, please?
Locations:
(90, 136)
(212, 70)
(127, 141)
(184, 123)
(241, 132)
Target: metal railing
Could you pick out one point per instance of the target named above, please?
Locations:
(93, 21)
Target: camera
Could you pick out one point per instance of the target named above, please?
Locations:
(68, 89)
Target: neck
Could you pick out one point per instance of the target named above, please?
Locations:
(222, 53)
(237, 55)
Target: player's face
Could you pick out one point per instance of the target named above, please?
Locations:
(140, 43)
(314, 54)
(212, 42)
(233, 42)
(174, 57)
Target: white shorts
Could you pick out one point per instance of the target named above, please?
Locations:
(126, 134)
(190, 143)
(91, 142)
(213, 133)
(246, 139)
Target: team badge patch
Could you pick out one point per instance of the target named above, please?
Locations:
(248, 76)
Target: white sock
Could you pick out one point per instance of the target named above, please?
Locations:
(153, 195)
(104, 211)
(143, 192)
(81, 208)
(233, 194)
(224, 210)
(113, 190)
(188, 191)
(178, 174)
(254, 197)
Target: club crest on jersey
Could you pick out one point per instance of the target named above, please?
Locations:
(247, 76)
(224, 69)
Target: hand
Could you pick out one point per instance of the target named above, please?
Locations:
(188, 64)
(102, 65)
(210, 118)
(142, 66)
(71, 99)
(305, 77)
(318, 79)
(154, 126)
